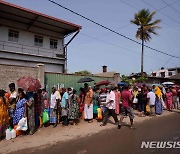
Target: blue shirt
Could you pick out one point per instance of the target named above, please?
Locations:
(64, 98)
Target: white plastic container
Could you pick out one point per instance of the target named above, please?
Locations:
(13, 134)
(8, 134)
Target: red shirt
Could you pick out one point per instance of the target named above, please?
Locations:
(126, 98)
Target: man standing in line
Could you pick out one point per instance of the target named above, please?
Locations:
(53, 107)
(110, 106)
(12, 102)
(88, 107)
(151, 101)
(65, 106)
(126, 97)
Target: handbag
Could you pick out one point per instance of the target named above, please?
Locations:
(99, 110)
(45, 117)
(135, 100)
(22, 124)
(148, 109)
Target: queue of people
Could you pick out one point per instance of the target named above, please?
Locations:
(66, 107)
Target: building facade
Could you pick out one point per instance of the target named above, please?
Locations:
(166, 73)
(28, 38)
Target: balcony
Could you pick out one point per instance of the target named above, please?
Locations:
(31, 50)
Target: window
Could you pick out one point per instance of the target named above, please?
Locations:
(170, 73)
(38, 41)
(13, 36)
(162, 74)
(153, 74)
(53, 44)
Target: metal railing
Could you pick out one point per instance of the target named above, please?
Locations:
(32, 50)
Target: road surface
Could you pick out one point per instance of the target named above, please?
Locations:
(124, 141)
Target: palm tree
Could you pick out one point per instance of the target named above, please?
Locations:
(143, 19)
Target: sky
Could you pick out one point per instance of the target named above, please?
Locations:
(94, 46)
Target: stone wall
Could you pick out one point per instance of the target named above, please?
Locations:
(10, 73)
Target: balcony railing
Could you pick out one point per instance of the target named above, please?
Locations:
(31, 50)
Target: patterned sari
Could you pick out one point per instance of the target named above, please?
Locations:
(74, 108)
(4, 116)
(19, 111)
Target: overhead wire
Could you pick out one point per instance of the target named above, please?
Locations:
(113, 31)
(171, 7)
(161, 12)
(157, 11)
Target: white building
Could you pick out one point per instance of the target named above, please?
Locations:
(28, 38)
(166, 73)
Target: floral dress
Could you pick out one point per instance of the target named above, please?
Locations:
(31, 115)
(4, 116)
(73, 108)
(19, 111)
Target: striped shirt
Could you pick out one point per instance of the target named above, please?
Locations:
(103, 98)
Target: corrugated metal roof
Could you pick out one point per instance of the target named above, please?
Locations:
(35, 19)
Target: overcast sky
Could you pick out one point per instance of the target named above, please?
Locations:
(95, 46)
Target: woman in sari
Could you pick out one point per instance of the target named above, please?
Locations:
(20, 110)
(81, 102)
(74, 108)
(30, 112)
(158, 103)
(169, 100)
(4, 116)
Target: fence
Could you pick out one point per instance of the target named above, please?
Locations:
(68, 80)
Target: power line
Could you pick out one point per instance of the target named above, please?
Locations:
(105, 34)
(111, 29)
(133, 51)
(161, 12)
(156, 10)
(171, 7)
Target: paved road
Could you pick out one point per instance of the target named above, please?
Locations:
(125, 140)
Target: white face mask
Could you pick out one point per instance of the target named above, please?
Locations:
(108, 90)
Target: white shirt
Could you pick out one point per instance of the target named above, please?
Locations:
(54, 97)
(110, 97)
(58, 94)
(13, 94)
(152, 98)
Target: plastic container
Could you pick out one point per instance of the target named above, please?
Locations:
(13, 134)
(8, 134)
(18, 132)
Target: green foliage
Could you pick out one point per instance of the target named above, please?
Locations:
(140, 80)
(131, 81)
(143, 19)
(126, 79)
(84, 72)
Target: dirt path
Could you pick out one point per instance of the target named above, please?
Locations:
(49, 136)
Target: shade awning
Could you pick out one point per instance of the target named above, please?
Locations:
(32, 19)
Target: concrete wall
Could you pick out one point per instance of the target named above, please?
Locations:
(11, 73)
(25, 43)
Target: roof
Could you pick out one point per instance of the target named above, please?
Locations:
(35, 19)
(106, 74)
(175, 68)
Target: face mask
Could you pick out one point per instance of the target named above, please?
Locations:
(108, 90)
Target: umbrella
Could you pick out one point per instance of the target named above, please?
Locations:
(140, 84)
(29, 84)
(104, 82)
(167, 83)
(122, 84)
(82, 80)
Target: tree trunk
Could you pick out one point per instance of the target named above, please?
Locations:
(142, 55)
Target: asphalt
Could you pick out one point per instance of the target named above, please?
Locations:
(124, 140)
